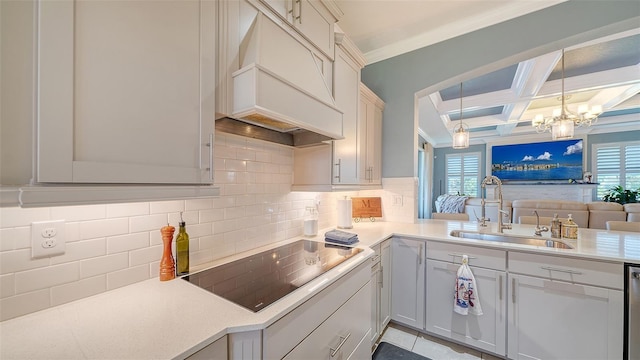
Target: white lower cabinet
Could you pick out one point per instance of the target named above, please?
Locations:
(339, 335)
(486, 331)
(407, 283)
(216, 350)
(559, 319)
(380, 289)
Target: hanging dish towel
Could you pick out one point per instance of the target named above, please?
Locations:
(466, 298)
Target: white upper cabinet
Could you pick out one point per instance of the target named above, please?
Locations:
(370, 137)
(314, 19)
(126, 92)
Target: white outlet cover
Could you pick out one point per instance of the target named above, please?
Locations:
(44, 245)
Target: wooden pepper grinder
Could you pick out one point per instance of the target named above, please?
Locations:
(167, 264)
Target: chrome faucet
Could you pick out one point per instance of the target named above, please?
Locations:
(539, 229)
(490, 180)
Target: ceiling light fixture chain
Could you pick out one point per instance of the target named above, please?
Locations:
(461, 131)
(562, 122)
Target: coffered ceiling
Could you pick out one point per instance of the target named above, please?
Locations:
(603, 72)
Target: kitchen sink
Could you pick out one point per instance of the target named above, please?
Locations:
(514, 239)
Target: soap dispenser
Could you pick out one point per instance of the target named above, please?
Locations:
(556, 227)
(182, 249)
(570, 229)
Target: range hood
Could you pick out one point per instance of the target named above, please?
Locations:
(279, 92)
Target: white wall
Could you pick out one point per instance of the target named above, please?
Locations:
(109, 246)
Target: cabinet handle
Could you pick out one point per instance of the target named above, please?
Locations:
(299, 11)
(375, 259)
(573, 272)
(500, 286)
(210, 168)
(381, 277)
(460, 255)
(513, 290)
(420, 255)
(343, 339)
(339, 165)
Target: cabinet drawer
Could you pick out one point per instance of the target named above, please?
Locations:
(567, 269)
(341, 333)
(478, 257)
(376, 254)
(283, 335)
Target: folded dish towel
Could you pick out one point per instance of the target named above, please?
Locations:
(340, 237)
(466, 298)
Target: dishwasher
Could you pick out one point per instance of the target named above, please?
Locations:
(632, 312)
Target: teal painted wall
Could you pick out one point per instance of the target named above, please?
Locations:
(443, 64)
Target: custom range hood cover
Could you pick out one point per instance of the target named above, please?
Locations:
(280, 87)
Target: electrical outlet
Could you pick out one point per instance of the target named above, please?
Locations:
(47, 238)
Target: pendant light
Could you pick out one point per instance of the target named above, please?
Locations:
(562, 122)
(461, 131)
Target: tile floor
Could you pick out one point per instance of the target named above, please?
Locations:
(429, 346)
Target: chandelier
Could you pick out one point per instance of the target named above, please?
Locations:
(562, 122)
(461, 131)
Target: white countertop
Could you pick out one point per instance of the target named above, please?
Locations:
(174, 319)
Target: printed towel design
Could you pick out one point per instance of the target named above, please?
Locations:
(466, 298)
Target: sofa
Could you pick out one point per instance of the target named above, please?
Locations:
(633, 212)
(600, 212)
(547, 208)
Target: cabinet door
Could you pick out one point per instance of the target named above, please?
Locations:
(126, 91)
(407, 284)
(374, 145)
(346, 90)
(316, 24)
(560, 320)
(215, 350)
(375, 302)
(280, 7)
(385, 284)
(487, 331)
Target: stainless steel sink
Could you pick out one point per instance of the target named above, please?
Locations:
(514, 239)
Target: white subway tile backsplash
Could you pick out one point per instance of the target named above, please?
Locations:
(14, 217)
(147, 223)
(197, 230)
(234, 189)
(15, 238)
(116, 244)
(24, 304)
(198, 204)
(145, 256)
(77, 290)
(122, 210)
(103, 264)
(81, 250)
(128, 276)
(209, 216)
(7, 285)
(45, 278)
(79, 213)
(189, 217)
(102, 228)
(163, 207)
(20, 260)
(245, 154)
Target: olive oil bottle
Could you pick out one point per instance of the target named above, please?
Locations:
(182, 249)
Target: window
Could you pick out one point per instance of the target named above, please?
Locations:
(616, 164)
(463, 173)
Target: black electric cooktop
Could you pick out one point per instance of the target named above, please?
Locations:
(259, 280)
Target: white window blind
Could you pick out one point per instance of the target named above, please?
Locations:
(463, 173)
(616, 164)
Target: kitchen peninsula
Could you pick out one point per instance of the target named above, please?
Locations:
(175, 319)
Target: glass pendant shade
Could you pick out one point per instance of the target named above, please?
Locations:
(562, 129)
(460, 137)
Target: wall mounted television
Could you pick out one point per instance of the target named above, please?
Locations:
(541, 161)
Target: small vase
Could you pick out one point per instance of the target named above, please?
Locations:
(167, 264)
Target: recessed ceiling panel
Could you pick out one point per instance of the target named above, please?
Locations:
(620, 112)
(556, 101)
(495, 81)
(496, 110)
(485, 128)
(610, 55)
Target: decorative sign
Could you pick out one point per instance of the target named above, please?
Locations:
(366, 207)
